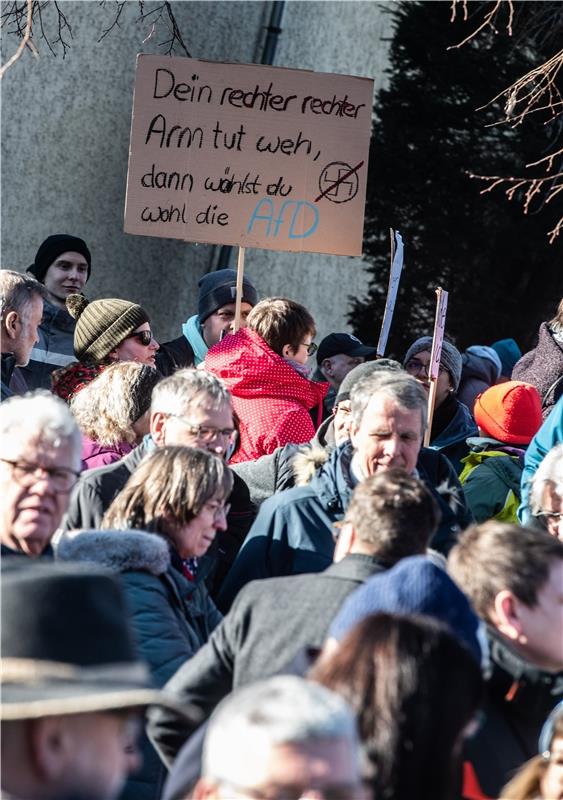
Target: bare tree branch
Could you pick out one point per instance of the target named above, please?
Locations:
(115, 23)
(26, 36)
(489, 20)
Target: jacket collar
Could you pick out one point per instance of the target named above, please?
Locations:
(356, 566)
(8, 366)
(333, 482)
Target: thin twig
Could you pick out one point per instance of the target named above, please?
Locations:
(25, 38)
(488, 21)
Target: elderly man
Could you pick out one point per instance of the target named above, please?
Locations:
(190, 408)
(514, 578)
(284, 737)
(293, 530)
(337, 355)
(215, 318)
(72, 686)
(391, 515)
(62, 264)
(39, 464)
(21, 309)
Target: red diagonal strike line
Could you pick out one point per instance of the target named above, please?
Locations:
(339, 181)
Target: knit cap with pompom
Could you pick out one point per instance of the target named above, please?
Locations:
(101, 325)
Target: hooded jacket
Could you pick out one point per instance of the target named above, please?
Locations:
(171, 616)
(270, 398)
(496, 471)
(451, 441)
(293, 530)
(477, 374)
(519, 697)
(543, 368)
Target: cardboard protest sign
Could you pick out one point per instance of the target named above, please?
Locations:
(248, 155)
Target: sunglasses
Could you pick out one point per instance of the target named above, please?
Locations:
(145, 337)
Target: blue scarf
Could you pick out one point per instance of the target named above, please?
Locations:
(192, 331)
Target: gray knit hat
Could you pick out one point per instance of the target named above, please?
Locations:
(450, 359)
(361, 371)
(102, 325)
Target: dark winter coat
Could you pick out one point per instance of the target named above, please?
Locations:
(171, 616)
(8, 363)
(96, 488)
(519, 697)
(543, 368)
(174, 355)
(269, 623)
(293, 530)
(452, 440)
(270, 398)
(55, 348)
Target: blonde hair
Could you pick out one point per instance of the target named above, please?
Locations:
(169, 488)
(106, 408)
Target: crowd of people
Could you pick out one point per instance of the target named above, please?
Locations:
(226, 574)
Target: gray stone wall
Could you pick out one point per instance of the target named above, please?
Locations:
(65, 139)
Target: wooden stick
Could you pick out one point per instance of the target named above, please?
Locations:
(240, 275)
(435, 356)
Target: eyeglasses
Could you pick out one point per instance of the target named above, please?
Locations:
(217, 509)
(62, 479)
(416, 367)
(335, 792)
(206, 433)
(547, 515)
(145, 337)
(311, 348)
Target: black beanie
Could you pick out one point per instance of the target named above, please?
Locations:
(218, 289)
(52, 248)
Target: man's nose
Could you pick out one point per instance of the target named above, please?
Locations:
(392, 445)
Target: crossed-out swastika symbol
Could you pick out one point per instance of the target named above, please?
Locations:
(339, 182)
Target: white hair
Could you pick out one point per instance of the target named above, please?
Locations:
(40, 414)
(549, 471)
(189, 388)
(281, 710)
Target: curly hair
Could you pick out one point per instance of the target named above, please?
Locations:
(106, 408)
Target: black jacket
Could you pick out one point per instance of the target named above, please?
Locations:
(8, 364)
(519, 697)
(268, 625)
(174, 355)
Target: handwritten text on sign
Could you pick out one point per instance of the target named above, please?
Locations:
(248, 155)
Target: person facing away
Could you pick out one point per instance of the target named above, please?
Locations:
(63, 265)
(391, 516)
(265, 368)
(39, 465)
(106, 331)
(513, 578)
(215, 317)
(21, 310)
(508, 416)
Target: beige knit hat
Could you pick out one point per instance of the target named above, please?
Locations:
(102, 325)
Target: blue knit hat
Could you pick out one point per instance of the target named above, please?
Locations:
(416, 585)
(218, 289)
(509, 353)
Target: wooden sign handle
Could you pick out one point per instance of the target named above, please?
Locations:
(240, 275)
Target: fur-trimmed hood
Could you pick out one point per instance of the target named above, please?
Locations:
(306, 462)
(121, 551)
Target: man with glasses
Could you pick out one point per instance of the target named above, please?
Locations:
(191, 408)
(39, 465)
(265, 367)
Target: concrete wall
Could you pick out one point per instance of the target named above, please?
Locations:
(65, 139)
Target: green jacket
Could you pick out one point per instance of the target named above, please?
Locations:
(491, 479)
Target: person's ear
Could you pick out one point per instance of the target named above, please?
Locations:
(50, 746)
(11, 325)
(287, 352)
(345, 542)
(157, 427)
(505, 615)
(326, 367)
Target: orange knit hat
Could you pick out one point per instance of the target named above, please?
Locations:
(509, 412)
